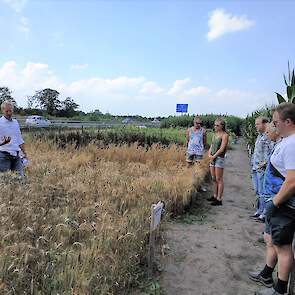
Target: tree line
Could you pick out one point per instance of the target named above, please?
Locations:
(45, 101)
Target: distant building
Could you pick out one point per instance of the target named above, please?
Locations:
(156, 121)
(97, 112)
(127, 121)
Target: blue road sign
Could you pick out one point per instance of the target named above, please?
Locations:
(181, 107)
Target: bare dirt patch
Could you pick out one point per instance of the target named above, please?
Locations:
(213, 256)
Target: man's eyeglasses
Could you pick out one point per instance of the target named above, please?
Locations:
(199, 123)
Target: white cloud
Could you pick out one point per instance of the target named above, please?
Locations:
(178, 86)
(24, 25)
(129, 95)
(221, 23)
(182, 88)
(243, 102)
(197, 91)
(89, 93)
(118, 87)
(25, 81)
(151, 88)
(16, 5)
(230, 93)
(79, 66)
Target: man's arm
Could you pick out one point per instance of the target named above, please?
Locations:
(287, 189)
(187, 137)
(22, 147)
(20, 140)
(266, 152)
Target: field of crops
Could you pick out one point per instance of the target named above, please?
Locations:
(126, 135)
(79, 224)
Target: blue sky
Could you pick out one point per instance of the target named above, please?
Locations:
(143, 57)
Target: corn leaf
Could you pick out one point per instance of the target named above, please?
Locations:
(280, 98)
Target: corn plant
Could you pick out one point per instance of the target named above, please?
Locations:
(290, 84)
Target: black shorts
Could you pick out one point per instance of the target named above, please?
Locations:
(282, 226)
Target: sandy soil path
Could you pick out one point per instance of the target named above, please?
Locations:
(213, 256)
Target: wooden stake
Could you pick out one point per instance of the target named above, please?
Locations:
(151, 251)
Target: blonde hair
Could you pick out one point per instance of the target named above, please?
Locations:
(222, 123)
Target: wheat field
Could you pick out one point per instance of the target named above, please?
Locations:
(79, 224)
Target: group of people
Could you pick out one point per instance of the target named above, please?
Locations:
(272, 171)
(196, 141)
(273, 176)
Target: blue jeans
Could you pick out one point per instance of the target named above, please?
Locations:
(258, 182)
(11, 163)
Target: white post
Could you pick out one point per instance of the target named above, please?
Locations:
(151, 251)
(156, 212)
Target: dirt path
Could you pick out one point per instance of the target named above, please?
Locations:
(213, 256)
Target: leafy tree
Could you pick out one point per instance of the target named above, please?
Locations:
(5, 94)
(46, 99)
(68, 107)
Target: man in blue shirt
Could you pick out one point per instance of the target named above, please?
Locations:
(261, 154)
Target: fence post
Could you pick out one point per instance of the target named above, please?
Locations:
(151, 251)
(156, 212)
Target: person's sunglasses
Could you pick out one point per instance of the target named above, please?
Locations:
(199, 123)
(216, 125)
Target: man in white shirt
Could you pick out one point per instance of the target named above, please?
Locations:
(280, 212)
(11, 141)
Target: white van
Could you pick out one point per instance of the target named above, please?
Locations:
(37, 121)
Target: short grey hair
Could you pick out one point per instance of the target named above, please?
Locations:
(7, 103)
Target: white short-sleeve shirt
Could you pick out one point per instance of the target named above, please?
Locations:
(283, 159)
(10, 128)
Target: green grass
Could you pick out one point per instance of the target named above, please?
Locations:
(116, 135)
